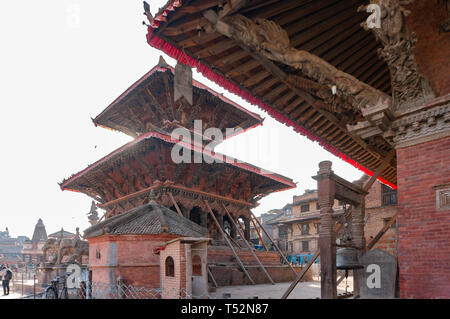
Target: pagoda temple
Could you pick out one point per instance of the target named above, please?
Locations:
(209, 192)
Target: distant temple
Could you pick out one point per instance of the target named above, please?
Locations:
(32, 249)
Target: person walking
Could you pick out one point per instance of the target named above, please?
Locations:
(6, 275)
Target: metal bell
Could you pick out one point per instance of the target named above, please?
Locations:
(347, 258)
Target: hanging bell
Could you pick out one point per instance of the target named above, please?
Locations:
(347, 258)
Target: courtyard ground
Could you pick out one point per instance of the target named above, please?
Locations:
(303, 290)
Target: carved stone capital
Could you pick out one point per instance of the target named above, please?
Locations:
(423, 126)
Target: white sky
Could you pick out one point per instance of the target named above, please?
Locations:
(63, 62)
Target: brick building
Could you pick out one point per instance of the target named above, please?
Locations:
(11, 248)
(299, 225)
(126, 245)
(302, 225)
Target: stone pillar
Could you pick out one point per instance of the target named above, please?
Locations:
(358, 239)
(327, 236)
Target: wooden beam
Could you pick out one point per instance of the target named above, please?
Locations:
(248, 245)
(301, 274)
(273, 243)
(228, 242)
(175, 204)
(230, 7)
(381, 232)
(211, 276)
(259, 234)
(380, 169)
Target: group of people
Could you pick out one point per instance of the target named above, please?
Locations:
(5, 276)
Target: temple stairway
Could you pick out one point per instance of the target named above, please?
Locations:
(226, 271)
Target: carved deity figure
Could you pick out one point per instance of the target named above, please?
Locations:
(408, 85)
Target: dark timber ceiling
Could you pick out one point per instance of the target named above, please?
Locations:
(329, 29)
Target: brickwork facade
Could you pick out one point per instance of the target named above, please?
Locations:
(173, 283)
(432, 50)
(129, 256)
(424, 230)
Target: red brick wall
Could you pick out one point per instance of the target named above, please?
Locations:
(135, 261)
(233, 275)
(171, 285)
(424, 232)
(225, 255)
(432, 49)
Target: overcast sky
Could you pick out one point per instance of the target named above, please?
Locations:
(63, 62)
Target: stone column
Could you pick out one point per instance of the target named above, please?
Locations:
(327, 236)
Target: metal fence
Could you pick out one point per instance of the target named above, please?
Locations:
(120, 290)
(24, 283)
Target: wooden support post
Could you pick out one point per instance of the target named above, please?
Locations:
(250, 248)
(259, 234)
(212, 277)
(327, 239)
(273, 243)
(175, 204)
(228, 242)
(309, 264)
(381, 232)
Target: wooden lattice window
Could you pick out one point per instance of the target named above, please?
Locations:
(389, 195)
(196, 265)
(170, 267)
(304, 208)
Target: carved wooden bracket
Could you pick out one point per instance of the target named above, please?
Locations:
(409, 87)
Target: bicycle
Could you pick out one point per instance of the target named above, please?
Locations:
(53, 291)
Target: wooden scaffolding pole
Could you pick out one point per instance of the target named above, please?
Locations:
(228, 242)
(379, 170)
(273, 243)
(300, 275)
(212, 277)
(381, 232)
(175, 204)
(259, 234)
(250, 248)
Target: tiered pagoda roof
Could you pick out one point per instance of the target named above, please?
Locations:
(121, 180)
(124, 176)
(329, 30)
(149, 104)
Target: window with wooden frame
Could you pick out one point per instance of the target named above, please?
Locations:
(170, 267)
(388, 195)
(305, 245)
(305, 229)
(304, 208)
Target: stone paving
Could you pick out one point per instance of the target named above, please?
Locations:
(304, 290)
